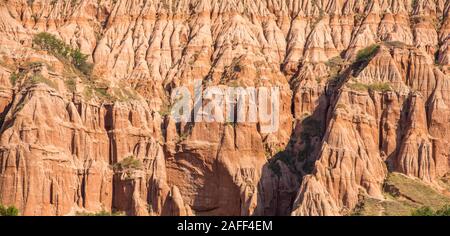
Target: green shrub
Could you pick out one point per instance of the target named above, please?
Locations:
(444, 211)
(129, 163)
(436, 58)
(311, 128)
(70, 84)
(37, 78)
(335, 62)
(395, 44)
(427, 211)
(58, 48)
(380, 87)
(363, 58)
(366, 54)
(8, 211)
(166, 109)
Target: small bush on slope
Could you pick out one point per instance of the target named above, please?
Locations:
(363, 57)
(367, 53)
(100, 213)
(8, 211)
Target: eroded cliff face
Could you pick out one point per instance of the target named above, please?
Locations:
(363, 92)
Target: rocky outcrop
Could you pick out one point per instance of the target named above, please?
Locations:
(363, 92)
